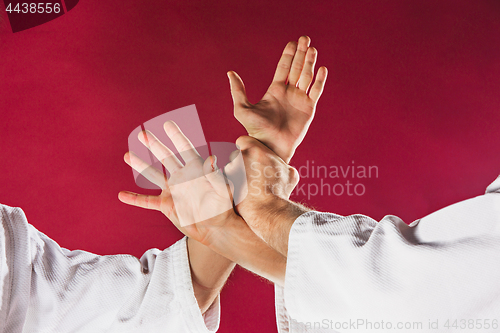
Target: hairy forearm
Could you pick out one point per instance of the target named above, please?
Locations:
(237, 242)
(209, 273)
(281, 223)
(273, 220)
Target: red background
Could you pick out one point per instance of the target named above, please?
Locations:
(413, 89)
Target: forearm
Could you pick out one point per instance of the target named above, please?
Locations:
(273, 221)
(209, 273)
(237, 242)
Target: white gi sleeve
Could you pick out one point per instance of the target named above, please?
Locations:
(45, 288)
(353, 274)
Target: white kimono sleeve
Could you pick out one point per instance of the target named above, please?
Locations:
(353, 274)
(45, 288)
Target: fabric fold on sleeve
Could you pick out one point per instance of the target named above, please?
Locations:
(352, 273)
(46, 288)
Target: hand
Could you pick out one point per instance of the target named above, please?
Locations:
(195, 197)
(282, 117)
(193, 192)
(270, 182)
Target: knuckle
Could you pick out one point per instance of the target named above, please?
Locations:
(294, 175)
(243, 142)
(284, 65)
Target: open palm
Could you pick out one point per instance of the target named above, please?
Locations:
(282, 117)
(195, 197)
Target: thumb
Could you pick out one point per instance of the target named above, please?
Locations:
(215, 176)
(210, 165)
(237, 89)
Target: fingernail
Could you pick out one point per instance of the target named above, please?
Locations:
(214, 162)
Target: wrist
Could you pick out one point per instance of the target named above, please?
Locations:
(237, 242)
(222, 237)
